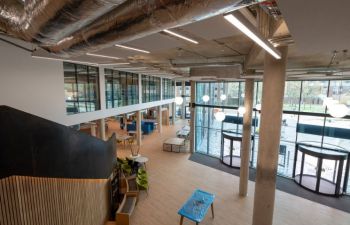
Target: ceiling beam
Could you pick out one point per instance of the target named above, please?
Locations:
(226, 72)
(267, 28)
(214, 60)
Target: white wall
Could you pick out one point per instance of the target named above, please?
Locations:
(36, 86)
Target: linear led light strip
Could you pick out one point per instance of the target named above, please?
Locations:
(102, 56)
(252, 35)
(180, 36)
(113, 64)
(131, 68)
(131, 48)
(64, 60)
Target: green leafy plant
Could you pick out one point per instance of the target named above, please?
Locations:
(142, 179)
(124, 165)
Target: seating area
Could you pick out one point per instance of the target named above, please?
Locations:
(146, 126)
(147, 112)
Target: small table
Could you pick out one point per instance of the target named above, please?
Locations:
(142, 160)
(179, 142)
(133, 133)
(123, 138)
(183, 134)
(196, 207)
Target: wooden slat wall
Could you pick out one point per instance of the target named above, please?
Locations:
(52, 201)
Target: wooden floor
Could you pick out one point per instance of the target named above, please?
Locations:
(173, 178)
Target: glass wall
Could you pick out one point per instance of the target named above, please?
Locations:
(81, 85)
(168, 89)
(121, 88)
(185, 93)
(150, 88)
(304, 118)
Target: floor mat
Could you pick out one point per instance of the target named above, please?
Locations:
(283, 184)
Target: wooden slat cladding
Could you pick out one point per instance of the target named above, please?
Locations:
(54, 201)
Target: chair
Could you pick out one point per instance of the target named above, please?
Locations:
(131, 127)
(147, 128)
(282, 153)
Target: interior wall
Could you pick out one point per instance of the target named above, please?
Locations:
(32, 85)
(36, 86)
(43, 201)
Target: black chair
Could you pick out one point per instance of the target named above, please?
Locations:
(282, 153)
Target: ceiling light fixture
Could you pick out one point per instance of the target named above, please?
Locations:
(338, 110)
(223, 97)
(113, 64)
(131, 48)
(205, 98)
(180, 36)
(220, 116)
(241, 23)
(64, 60)
(179, 100)
(241, 110)
(131, 68)
(102, 56)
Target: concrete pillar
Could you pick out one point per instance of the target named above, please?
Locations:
(102, 129)
(246, 142)
(160, 124)
(192, 117)
(140, 88)
(173, 112)
(183, 106)
(161, 88)
(125, 118)
(138, 128)
(269, 140)
(93, 129)
(102, 88)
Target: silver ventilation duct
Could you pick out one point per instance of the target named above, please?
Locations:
(73, 27)
(24, 19)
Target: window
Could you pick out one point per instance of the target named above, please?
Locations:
(150, 88)
(121, 88)
(304, 117)
(168, 89)
(81, 84)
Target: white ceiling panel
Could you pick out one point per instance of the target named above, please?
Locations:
(212, 28)
(155, 42)
(318, 26)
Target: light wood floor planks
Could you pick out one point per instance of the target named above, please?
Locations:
(173, 178)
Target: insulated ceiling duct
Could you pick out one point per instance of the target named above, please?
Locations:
(74, 27)
(24, 19)
(73, 17)
(136, 19)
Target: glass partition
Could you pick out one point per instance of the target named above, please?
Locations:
(81, 85)
(150, 88)
(168, 88)
(121, 88)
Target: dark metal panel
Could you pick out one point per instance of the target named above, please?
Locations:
(33, 146)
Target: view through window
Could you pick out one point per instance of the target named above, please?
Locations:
(303, 108)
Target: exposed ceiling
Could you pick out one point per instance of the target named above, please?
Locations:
(318, 41)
